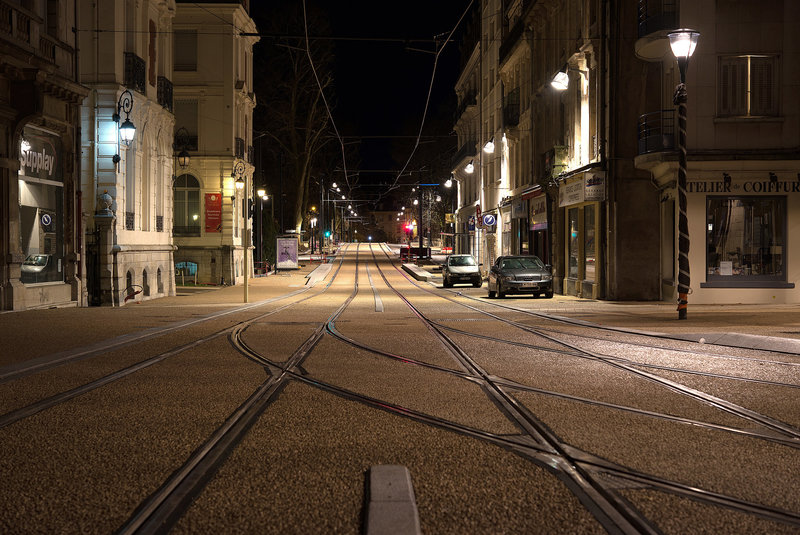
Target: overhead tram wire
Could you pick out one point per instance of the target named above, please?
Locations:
(324, 98)
(430, 90)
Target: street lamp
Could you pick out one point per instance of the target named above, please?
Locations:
(238, 173)
(683, 42)
(181, 142)
(126, 130)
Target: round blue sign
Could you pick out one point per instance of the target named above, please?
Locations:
(488, 220)
(46, 220)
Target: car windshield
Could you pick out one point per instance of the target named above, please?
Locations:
(36, 260)
(462, 261)
(524, 262)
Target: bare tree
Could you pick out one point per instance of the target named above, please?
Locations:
(291, 112)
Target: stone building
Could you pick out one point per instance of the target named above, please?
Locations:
(40, 192)
(214, 103)
(126, 60)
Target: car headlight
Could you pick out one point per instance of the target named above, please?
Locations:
(546, 278)
(508, 278)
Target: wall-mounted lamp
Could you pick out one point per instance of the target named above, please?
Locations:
(470, 167)
(489, 147)
(126, 130)
(179, 146)
(560, 81)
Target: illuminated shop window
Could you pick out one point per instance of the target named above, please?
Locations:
(746, 239)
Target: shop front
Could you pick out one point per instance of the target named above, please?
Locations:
(580, 199)
(42, 218)
(538, 225)
(744, 228)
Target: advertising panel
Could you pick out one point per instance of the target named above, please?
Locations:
(213, 206)
(287, 252)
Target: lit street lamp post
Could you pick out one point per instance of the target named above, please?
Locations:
(240, 178)
(683, 43)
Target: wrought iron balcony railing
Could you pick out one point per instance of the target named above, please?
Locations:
(165, 93)
(657, 131)
(657, 15)
(135, 68)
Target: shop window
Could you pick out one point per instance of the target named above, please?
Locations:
(186, 206)
(589, 243)
(572, 244)
(41, 207)
(746, 239)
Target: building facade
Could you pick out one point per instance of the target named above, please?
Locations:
(214, 103)
(40, 191)
(126, 61)
(743, 147)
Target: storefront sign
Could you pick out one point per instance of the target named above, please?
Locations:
(519, 209)
(213, 207)
(572, 193)
(595, 187)
(40, 155)
(538, 213)
(471, 224)
(747, 186)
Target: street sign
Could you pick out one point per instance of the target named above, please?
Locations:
(478, 212)
(489, 220)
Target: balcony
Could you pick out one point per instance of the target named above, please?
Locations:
(467, 150)
(511, 40)
(656, 131)
(239, 148)
(165, 93)
(135, 68)
(656, 19)
(471, 99)
(657, 15)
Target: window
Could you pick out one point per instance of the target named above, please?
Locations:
(748, 86)
(186, 117)
(589, 243)
(185, 50)
(573, 244)
(745, 239)
(187, 206)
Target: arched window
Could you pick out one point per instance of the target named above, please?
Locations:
(145, 283)
(129, 280)
(187, 206)
(159, 281)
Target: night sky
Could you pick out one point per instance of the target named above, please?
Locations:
(381, 85)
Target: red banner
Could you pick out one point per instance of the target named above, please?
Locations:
(213, 212)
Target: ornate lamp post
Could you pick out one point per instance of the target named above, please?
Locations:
(683, 42)
(126, 130)
(241, 184)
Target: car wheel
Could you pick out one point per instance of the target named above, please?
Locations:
(500, 293)
(446, 283)
(492, 294)
(477, 284)
(548, 295)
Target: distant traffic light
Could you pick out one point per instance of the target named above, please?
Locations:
(327, 233)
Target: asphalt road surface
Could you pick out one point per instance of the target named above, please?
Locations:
(197, 415)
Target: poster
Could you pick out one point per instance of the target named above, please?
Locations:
(287, 252)
(213, 212)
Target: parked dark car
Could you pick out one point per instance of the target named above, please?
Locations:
(520, 274)
(461, 268)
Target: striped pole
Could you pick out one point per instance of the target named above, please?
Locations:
(683, 222)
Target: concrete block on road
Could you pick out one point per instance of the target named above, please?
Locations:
(417, 272)
(392, 507)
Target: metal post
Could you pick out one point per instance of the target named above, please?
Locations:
(420, 225)
(683, 222)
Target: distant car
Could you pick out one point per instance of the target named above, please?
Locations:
(461, 268)
(520, 274)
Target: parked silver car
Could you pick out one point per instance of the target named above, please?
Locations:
(520, 274)
(461, 268)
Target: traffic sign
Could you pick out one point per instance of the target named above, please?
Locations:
(489, 220)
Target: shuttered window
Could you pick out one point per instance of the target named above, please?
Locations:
(748, 86)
